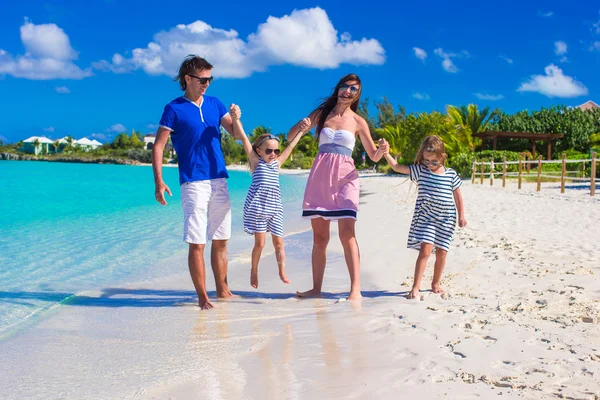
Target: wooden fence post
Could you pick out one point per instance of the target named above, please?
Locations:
(563, 173)
(593, 176)
(520, 170)
(539, 180)
(504, 173)
(492, 169)
(474, 171)
(481, 174)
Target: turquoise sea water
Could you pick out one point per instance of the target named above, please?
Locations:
(67, 228)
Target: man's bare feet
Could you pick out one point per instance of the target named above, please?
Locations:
(413, 294)
(435, 288)
(355, 295)
(205, 304)
(254, 278)
(309, 293)
(225, 294)
(282, 276)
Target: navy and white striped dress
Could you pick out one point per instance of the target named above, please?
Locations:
(263, 211)
(434, 219)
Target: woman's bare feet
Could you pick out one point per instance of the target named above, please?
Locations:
(309, 293)
(436, 288)
(282, 276)
(254, 278)
(413, 294)
(355, 295)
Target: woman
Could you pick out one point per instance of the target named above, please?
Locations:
(332, 189)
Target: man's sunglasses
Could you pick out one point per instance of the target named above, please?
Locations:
(269, 151)
(353, 89)
(428, 163)
(203, 81)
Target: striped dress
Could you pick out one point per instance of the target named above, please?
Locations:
(263, 211)
(434, 219)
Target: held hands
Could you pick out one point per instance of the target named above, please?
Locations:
(304, 125)
(462, 222)
(159, 192)
(384, 146)
(235, 112)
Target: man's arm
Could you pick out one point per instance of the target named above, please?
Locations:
(227, 122)
(157, 157)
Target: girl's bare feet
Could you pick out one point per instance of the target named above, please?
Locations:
(309, 293)
(205, 304)
(282, 276)
(254, 278)
(435, 288)
(413, 294)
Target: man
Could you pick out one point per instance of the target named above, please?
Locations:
(194, 121)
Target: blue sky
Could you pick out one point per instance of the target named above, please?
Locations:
(97, 67)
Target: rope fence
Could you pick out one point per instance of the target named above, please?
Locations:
(524, 167)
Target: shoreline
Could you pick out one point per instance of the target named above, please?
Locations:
(519, 317)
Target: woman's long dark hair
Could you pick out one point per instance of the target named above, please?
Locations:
(330, 102)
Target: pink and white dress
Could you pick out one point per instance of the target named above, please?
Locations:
(332, 189)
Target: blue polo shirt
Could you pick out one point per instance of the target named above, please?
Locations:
(196, 136)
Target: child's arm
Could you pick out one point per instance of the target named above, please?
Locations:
(403, 169)
(301, 127)
(241, 135)
(462, 222)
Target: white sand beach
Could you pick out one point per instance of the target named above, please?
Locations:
(519, 317)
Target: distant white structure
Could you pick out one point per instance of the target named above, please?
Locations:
(149, 141)
(38, 144)
(42, 145)
(588, 105)
(87, 144)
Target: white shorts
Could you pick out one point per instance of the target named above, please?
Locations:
(206, 211)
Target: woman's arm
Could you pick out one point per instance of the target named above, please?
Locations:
(403, 169)
(462, 222)
(294, 130)
(303, 126)
(366, 139)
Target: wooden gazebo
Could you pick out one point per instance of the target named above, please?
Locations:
(534, 137)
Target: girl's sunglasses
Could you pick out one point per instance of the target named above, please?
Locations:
(203, 81)
(269, 151)
(428, 163)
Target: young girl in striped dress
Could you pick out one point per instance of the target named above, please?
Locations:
(434, 219)
(263, 211)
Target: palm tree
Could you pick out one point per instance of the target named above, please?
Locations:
(259, 130)
(468, 120)
(395, 137)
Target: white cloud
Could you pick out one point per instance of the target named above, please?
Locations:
(62, 90)
(508, 60)
(595, 46)
(48, 55)
(596, 27)
(118, 128)
(420, 53)
(491, 97)
(421, 96)
(545, 14)
(447, 62)
(152, 126)
(554, 84)
(560, 48)
(100, 136)
(49, 129)
(304, 38)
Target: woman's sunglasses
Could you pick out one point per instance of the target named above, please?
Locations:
(269, 151)
(203, 81)
(353, 89)
(433, 163)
